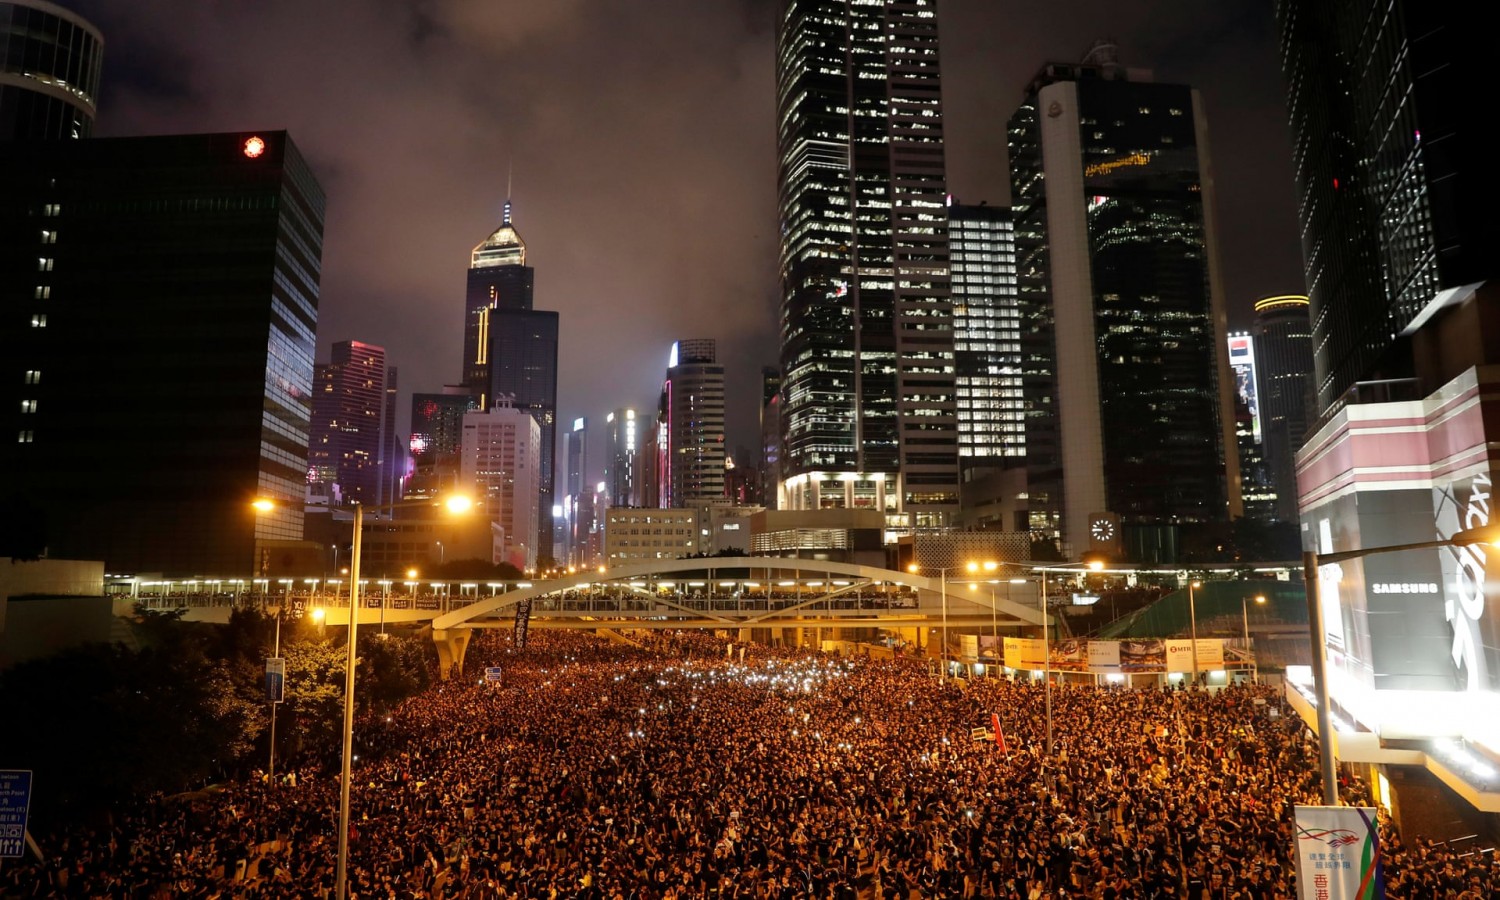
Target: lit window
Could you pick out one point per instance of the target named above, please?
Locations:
(28, 406)
(44, 292)
(25, 437)
(52, 209)
(44, 264)
(39, 320)
(33, 376)
(49, 236)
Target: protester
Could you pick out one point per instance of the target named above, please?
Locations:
(672, 770)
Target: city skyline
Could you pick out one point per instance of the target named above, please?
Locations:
(416, 154)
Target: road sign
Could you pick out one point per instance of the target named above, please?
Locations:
(15, 800)
(275, 679)
(493, 673)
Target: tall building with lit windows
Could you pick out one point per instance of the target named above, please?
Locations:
(49, 71)
(692, 413)
(500, 463)
(1129, 398)
(510, 349)
(986, 336)
(622, 445)
(158, 313)
(868, 411)
(348, 408)
(1394, 170)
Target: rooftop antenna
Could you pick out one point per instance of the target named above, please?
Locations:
(510, 168)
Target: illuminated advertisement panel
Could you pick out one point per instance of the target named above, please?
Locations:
(1242, 362)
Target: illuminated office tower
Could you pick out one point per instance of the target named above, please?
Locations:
(49, 71)
(692, 409)
(770, 434)
(500, 463)
(1129, 409)
(867, 400)
(575, 532)
(392, 452)
(1284, 376)
(622, 442)
(348, 405)
(498, 279)
(1394, 170)
(125, 263)
(986, 336)
(437, 430)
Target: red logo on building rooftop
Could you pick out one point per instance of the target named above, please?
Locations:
(254, 147)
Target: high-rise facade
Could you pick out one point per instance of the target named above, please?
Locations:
(575, 531)
(437, 430)
(498, 279)
(1284, 367)
(501, 463)
(523, 372)
(392, 452)
(49, 71)
(348, 410)
(692, 409)
(770, 433)
(1393, 169)
(622, 443)
(868, 409)
(1129, 409)
(160, 301)
(986, 336)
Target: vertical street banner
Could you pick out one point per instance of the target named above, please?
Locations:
(1338, 854)
(523, 620)
(275, 679)
(15, 805)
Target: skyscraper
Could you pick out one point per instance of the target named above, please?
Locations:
(1284, 366)
(437, 430)
(986, 336)
(501, 464)
(348, 408)
(510, 349)
(1394, 171)
(498, 279)
(160, 301)
(692, 406)
(575, 443)
(1128, 394)
(622, 442)
(49, 71)
(523, 372)
(868, 409)
(392, 450)
(770, 434)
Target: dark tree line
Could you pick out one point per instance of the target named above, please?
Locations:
(104, 722)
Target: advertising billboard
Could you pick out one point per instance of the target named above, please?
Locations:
(1242, 362)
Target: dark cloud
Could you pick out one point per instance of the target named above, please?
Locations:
(642, 141)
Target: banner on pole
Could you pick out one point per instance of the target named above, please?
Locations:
(523, 620)
(275, 679)
(1338, 854)
(999, 735)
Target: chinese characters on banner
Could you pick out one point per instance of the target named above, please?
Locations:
(1150, 655)
(1338, 854)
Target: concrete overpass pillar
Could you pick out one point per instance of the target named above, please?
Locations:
(452, 644)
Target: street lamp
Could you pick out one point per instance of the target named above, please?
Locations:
(1193, 617)
(1311, 560)
(456, 504)
(1260, 600)
(990, 566)
(943, 581)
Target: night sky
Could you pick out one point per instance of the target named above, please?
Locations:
(641, 136)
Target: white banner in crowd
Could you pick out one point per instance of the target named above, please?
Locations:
(1180, 655)
(1338, 854)
(1025, 653)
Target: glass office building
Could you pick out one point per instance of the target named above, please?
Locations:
(1129, 408)
(49, 71)
(986, 336)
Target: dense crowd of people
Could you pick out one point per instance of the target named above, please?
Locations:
(677, 768)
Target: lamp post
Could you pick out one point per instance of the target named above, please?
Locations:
(1260, 600)
(943, 583)
(1193, 617)
(1311, 560)
(990, 566)
(455, 504)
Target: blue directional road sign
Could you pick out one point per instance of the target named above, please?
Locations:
(15, 800)
(493, 673)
